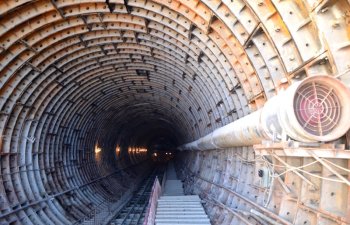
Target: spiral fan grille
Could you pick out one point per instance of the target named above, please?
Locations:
(317, 108)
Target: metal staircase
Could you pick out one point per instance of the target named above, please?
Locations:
(174, 207)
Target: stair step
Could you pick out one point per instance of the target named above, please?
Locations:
(179, 205)
(173, 217)
(177, 212)
(178, 200)
(174, 207)
(192, 206)
(171, 209)
(186, 221)
(186, 196)
(167, 223)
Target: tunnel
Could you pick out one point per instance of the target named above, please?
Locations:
(96, 94)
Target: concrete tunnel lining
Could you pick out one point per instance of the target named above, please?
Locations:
(77, 74)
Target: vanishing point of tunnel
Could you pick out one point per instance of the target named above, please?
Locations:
(225, 112)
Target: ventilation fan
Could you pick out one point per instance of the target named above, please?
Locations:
(317, 108)
(321, 107)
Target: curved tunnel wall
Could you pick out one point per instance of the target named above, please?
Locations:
(77, 74)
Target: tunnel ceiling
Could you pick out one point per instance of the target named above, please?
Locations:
(196, 64)
(77, 73)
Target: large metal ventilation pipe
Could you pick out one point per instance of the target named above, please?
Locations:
(312, 110)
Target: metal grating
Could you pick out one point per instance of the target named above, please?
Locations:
(317, 108)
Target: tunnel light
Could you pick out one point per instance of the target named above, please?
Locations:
(137, 150)
(117, 150)
(143, 150)
(97, 149)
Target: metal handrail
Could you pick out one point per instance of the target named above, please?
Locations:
(152, 203)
